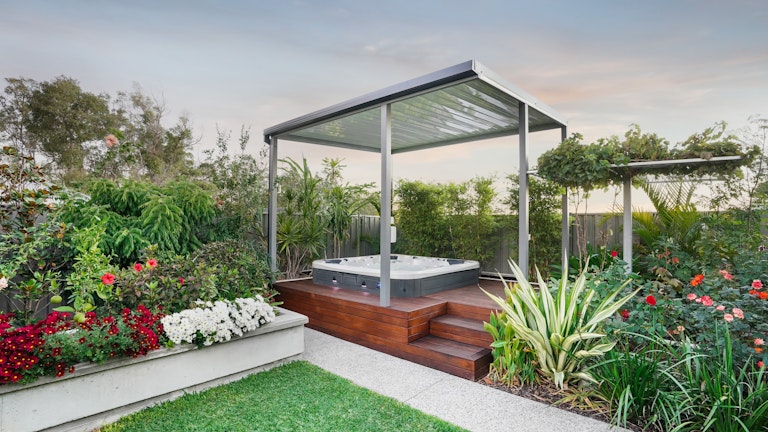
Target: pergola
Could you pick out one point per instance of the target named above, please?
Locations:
(463, 103)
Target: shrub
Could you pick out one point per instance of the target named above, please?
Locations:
(562, 331)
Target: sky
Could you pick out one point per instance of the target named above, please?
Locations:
(673, 67)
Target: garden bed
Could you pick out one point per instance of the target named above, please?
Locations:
(96, 394)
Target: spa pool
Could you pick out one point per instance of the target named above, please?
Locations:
(410, 276)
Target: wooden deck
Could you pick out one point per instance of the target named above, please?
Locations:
(443, 331)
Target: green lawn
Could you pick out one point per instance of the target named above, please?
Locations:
(295, 397)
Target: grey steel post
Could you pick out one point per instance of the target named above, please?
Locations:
(272, 236)
(386, 204)
(523, 236)
(627, 229)
(566, 226)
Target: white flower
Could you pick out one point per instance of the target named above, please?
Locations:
(218, 321)
(3, 283)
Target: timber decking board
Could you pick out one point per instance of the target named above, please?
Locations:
(462, 329)
(405, 328)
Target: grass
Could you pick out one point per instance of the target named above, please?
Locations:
(295, 396)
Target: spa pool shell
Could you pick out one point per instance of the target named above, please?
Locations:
(410, 276)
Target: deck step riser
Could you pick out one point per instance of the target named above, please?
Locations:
(441, 333)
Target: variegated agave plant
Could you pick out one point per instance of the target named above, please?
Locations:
(563, 330)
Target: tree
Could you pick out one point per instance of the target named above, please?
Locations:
(241, 186)
(62, 119)
(14, 115)
(140, 147)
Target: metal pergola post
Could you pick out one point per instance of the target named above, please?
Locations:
(272, 235)
(565, 224)
(627, 228)
(523, 235)
(386, 205)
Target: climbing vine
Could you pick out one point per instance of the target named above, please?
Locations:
(604, 162)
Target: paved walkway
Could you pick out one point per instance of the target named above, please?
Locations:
(462, 402)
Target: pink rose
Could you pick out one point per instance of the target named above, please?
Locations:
(707, 301)
(738, 313)
(720, 308)
(691, 297)
(728, 317)
(757, 284)
(759, 341)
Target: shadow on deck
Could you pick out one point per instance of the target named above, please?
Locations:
(443, 331)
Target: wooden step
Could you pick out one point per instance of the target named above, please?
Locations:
(456, 358)
(460, 329)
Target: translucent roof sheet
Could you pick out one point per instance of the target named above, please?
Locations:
(466, 102)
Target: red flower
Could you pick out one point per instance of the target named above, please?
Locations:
(757, 284)
(760, 364)
(697, 280)
(707, 301)
(138, 267)
(181, 280)
(625, 314)
(675, 260)
(152, 263)
(763, 295)
(614, 253)
(108, 279)
(651, 300)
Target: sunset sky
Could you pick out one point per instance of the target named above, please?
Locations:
(673, 67)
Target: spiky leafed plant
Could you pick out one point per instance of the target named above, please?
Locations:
(676, 216)
(301, 232)
(562, 330)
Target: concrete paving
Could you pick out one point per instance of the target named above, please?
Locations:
(462, 402)
(459, 401)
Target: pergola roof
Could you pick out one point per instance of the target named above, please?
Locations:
(462, 103)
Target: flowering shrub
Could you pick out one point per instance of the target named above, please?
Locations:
(22, 352)
(54, 345)
(217, 321)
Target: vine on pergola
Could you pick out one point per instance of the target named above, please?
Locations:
(606, 162)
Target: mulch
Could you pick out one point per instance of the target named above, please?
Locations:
(554, 397)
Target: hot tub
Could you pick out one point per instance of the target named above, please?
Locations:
(410, 276)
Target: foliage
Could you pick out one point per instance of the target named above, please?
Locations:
(62, 119)
(218, 270)
(446, 220)
(470, 220)
(544, 219)
(420, 218)
(131, 334)
(91, 276)
(54, 345)
(176, 217)
(599, 164)
(341, 202)
(273, 400)
(513, 362)
(300, 227)
(637, 379)
(139, 146)
(721, 395)
(676, 218)
(241, 188)
(31, 247)
(562, 330)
